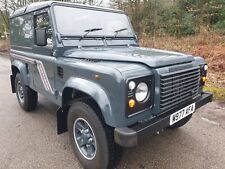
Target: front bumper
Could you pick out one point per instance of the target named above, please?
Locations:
(130, 136)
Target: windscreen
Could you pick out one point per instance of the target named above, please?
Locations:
(78, 21)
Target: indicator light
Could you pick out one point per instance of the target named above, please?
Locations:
(204, 79)
(132, 103)
(205, 67)
(97, 77)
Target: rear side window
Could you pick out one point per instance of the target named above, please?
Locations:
(22, 31)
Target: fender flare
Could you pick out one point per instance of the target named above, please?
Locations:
(96, 92)
(22, 69)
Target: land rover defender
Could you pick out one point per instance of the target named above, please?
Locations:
(111, 92)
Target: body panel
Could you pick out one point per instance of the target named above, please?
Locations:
(151, 57)
(38, 75)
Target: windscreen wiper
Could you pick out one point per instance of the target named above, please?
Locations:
(90, 30)
(119, 30)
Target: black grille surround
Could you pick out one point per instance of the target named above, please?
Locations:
(178, 87)
(140, 106)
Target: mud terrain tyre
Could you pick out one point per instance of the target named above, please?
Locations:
(92, 140)
(26, 96)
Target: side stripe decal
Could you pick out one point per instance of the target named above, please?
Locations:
(44, 76)
(41, 70)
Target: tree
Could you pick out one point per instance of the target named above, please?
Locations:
(4, 13)
(145, 14)
(173, 17)
(206, 12)
(7, 6)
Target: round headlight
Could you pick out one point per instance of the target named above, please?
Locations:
(141, 92)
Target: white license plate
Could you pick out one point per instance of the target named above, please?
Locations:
(179, 115)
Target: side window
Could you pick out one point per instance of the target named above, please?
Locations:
(42, 21)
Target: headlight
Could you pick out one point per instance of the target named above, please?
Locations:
(139, 95)
(141, 92)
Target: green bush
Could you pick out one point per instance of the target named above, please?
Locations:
(219, 27)
(188, 26)
(178, 23)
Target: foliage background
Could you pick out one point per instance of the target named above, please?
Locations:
(174, 17)
(192, 26)
(153, 17)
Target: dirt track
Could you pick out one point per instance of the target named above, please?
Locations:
(29, 140)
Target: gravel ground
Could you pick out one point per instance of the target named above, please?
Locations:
(29, 140)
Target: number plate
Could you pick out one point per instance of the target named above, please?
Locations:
(179, 115)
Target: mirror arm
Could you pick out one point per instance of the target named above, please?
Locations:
(58, 37)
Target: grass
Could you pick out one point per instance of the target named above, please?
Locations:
(218, 93)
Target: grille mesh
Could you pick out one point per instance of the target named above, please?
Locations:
(179, 87)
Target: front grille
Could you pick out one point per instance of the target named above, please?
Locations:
(178, 87)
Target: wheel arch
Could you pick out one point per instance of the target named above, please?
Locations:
(20, 67)
(93, 94)
(15, 70)
(77, 88)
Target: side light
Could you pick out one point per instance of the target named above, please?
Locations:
(205, 67)
(132, 85)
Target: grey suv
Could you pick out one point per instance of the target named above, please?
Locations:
(110, 92)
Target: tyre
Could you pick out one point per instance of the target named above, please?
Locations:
(26, 96)
(92, 140)
(180, 123)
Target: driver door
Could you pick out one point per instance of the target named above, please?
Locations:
(43, 69)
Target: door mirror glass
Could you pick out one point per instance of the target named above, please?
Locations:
(41, 36)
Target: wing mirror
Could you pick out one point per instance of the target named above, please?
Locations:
(41, 36)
